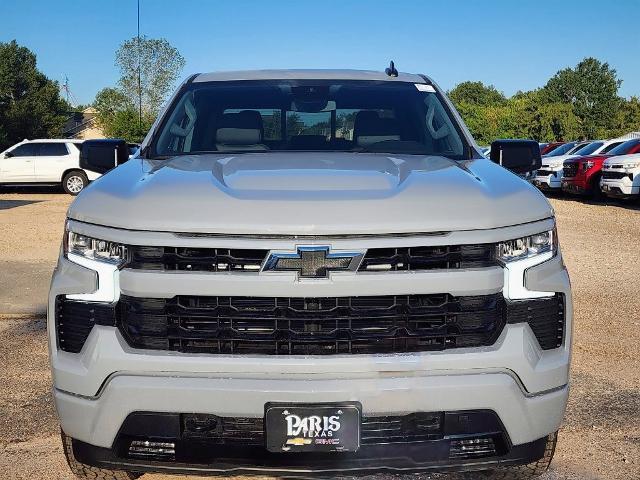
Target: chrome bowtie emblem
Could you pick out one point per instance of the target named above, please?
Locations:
(312, 262)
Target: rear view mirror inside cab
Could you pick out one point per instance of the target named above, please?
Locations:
(305, 105)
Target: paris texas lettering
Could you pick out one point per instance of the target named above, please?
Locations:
(313, 426)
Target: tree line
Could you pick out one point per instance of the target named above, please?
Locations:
(576, 103)
(581, 102)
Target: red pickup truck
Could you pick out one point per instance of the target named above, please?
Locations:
(581, 175)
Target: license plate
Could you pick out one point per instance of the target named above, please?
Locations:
(332, 427)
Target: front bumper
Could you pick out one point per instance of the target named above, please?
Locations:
(434, 455)
(96, 389)
(577, 189)
(551, 181)
(624, 187)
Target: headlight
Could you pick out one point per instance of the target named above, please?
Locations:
(630, 166)
(527, 247)
(556, 164)
(94, 248)
(587, 165)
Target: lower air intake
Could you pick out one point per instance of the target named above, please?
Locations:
(472, 448)
(163, 451)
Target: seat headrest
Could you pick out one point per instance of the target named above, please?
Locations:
(242, 128)
(369, 128)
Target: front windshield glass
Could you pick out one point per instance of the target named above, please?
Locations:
(589, 149)
(624, 147)
(267, 116)
(561, 150)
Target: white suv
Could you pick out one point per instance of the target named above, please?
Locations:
(621, 176)
(45, 161)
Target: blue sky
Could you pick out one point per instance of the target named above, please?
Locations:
(514, 45)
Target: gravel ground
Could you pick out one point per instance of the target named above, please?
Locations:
(600, 438)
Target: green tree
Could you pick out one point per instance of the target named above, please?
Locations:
(30, 103)
(476, 93)
(160, 64)
(591, 88)
(628, 117)
(118, 117)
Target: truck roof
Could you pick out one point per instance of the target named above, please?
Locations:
(311, 74)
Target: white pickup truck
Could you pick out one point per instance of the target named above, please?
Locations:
(305, 273)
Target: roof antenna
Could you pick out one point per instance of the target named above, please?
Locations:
(391, 70)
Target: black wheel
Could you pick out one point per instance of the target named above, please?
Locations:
(73, 182)
(81, 470)
(523, 472)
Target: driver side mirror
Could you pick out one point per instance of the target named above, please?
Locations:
(7, 155)
(519, 156)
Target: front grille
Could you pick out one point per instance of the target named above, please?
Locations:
(545, 316)
(196, 259)
(429, 258)
(247, 260)
(242, 431)
(570, 169)
(311, 326)
(75, 319)
(615, 175)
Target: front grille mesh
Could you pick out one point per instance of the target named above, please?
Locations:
(75, 319)
(545, 316)
(311, 326)
(570, 169)
(196, 259)
(248, 260)
(615, 175)
(429, 258)
(242, 431)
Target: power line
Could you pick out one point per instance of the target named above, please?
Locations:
(139, 72)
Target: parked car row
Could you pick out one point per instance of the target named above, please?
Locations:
(58, 161)
(594, 168)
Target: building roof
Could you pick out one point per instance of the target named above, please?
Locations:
(373, 75)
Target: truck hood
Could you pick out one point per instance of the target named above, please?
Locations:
(547, 161)
(632, 159)
(294, 193)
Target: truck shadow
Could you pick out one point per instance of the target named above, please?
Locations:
(52, 189)
(9, 204)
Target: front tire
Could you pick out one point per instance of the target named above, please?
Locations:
(73, 182)
(82, 470)
(530, 470)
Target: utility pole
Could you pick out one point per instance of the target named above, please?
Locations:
(139, 74)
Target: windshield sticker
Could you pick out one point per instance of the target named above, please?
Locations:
(425, 88)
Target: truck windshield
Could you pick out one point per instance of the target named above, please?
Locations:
(262, 116)
(561, 150)
(589, 149)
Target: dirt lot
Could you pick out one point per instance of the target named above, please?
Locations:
(599, 440)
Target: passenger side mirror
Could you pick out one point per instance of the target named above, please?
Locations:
(519, 156)
(103, 155)
(8, 155)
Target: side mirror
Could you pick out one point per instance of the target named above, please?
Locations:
(103, 155)
(519, 156)
(7, 155)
